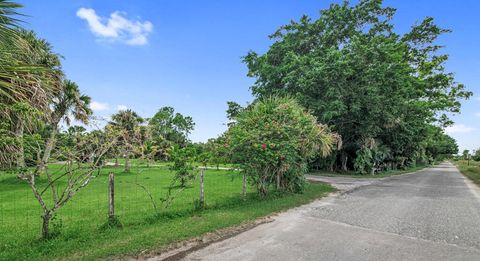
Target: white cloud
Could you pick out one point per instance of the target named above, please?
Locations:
(117, 27)
(98, 106)
(121, 107)
(458, 128)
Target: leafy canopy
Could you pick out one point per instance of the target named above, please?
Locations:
(361, 78)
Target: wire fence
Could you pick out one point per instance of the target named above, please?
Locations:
(141, 196)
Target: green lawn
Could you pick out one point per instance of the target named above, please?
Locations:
(470, 169)
(382, 174)
(82, 217)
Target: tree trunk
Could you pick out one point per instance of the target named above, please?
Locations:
(202, 190)
(244, 188)
(19, 128)
(116, 161)
(45, 226)
(111, 196)
(48, 147)
(344, 159)
(127, 163)
(332, 164)
(278, 180)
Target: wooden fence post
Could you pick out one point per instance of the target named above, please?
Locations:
(111, 196)
(202, 191)
(244, 189)
(278, 180)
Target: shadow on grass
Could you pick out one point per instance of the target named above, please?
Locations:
(112, 223)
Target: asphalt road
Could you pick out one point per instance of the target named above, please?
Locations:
(432, 214)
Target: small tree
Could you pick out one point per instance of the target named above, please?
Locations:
(184, 170)
(273, 139)
(64, 184)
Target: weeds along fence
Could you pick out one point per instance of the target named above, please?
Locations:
(142, 196)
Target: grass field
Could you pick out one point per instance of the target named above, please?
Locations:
(80, 220)
(145, 163)
(471, 170)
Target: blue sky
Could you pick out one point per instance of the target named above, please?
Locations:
(187, 54)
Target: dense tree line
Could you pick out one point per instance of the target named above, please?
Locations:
(387, 94)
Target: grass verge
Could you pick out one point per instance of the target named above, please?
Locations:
(469, 169)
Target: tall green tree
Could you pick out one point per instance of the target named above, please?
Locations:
(361, 78)
(232, 111)
(170, 128)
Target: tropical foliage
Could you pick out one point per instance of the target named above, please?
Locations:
(30, 76)
(273, 139)
(34, 98)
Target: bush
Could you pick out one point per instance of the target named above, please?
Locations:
(273, 139)
(364, 162)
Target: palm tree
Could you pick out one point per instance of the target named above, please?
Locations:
(39, 86)
(8, 68)
(31, 76)
(68, 103)
(28, 66)
(126, 122)
(8, 42)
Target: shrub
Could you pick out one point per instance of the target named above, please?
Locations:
(363, 164)
(273, 139)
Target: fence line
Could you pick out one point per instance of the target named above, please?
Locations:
(115, 194)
